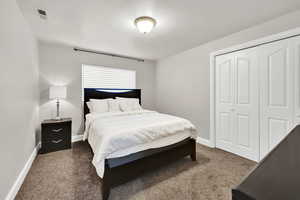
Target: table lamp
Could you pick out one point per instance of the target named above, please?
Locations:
(57, 92)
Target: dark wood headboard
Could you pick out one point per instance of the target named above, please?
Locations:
(105, 93)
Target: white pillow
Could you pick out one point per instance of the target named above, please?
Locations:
(89, 105)
(129, 104)
(114, 105)
(125, 106)
(100, 99)
(99, 105)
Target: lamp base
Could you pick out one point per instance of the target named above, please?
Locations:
(57, 111)
(58, 118)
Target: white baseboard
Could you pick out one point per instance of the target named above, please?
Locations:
(205, 142)
(18, 183)
(77, 138)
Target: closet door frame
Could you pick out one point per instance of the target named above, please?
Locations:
(211, 142)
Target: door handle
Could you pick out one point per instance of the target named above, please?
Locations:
(56, 141)
(57, 130)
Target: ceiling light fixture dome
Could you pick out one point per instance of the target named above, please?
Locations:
(145, 24)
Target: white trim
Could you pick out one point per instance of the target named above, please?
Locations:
(212, 102)
(268, 39)
(77, 138)
(18, 183)
(205, 142)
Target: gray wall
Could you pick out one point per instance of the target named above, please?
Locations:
(183, 79)
(61, 65)
(19, 93)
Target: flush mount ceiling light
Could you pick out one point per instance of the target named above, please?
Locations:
(145, 24)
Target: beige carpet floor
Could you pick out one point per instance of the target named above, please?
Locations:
(69, 175)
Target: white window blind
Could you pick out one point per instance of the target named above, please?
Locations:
(106, 77)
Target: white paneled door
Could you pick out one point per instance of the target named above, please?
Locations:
(237, 101)
(296, 54)
(257, 97)
(224, 101)
(277, 93)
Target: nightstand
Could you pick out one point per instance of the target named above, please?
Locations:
(56, 135)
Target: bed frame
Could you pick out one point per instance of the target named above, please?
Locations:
(123, 169)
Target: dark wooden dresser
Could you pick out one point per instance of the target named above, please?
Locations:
(277, 176)
(56, 135)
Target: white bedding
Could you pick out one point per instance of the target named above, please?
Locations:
(176, 137)
(122, 133)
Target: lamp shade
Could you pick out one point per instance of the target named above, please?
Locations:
(57, 92)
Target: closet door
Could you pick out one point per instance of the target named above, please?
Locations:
(276, 94)
(246, 110)
(296, 46)
(237, 128)
(224, 102)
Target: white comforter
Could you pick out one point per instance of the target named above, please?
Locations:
(112, 132)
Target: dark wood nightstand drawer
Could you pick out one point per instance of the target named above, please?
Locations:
(57, 131)
(55, 145)
(53, 136)
(56, 135)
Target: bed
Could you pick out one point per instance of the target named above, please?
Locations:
(128, 144)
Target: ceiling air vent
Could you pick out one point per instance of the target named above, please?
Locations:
(42, 14)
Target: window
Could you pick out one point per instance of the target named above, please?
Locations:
(106, 77)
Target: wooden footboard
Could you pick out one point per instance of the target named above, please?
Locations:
(123, 169)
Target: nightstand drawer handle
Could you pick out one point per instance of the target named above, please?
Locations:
(57, 141)
(57, 130)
